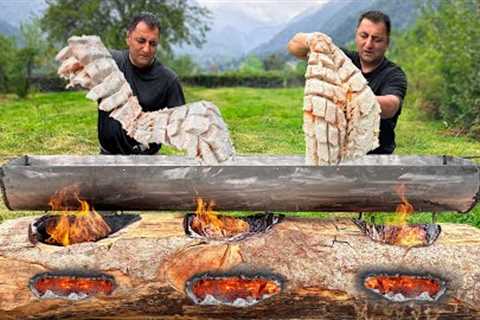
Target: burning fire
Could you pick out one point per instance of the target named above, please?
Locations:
(233, 290)
(66, 285)
(407, 236)
(404, 287)
(404, 209)
(74, 227)
(208, 223)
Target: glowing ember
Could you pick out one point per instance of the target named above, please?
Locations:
(208, 223)
(414, 235)
(237, 290)
(72, 287)
(82, 226)
(401, 288)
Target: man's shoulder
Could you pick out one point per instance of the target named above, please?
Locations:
(393, 68)
(162, 70)
(119, 56)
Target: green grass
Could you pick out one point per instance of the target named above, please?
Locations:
(261, 121)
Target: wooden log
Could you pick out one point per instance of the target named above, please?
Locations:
(250, 183)
(321, 264)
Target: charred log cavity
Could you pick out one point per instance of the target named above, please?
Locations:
(71, 285)
(408, 235)
(38, 230)
(238, 290)
(405, 287)
(229, 228)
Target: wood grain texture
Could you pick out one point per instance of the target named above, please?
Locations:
(322, 263)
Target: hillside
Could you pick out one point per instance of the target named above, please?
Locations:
(338, 19)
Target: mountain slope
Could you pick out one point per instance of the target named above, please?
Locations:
(338, 19)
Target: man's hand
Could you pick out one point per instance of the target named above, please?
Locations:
(303, 43)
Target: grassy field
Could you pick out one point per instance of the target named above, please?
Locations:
(261, 121)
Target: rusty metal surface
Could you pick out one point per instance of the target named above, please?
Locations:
(251, 183)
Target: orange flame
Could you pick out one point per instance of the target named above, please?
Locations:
(231, 288)
(404, 209)
(209, 223)
(407, 285)
(74, 227)
(408, 236)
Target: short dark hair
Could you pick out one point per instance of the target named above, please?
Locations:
(149, 18)
(376, 16)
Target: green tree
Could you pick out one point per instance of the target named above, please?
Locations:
(183, 65)
(251, 64)
(441, 55)
(181, 21)
(7, 56)
(274, 62)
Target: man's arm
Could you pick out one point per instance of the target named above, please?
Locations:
(389, 105)
(392, 93)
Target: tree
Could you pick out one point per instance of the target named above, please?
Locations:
(251, 64)
(274, 62)
(7, 56)
(183, 65)
(181, 21)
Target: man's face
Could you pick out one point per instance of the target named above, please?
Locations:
(142, 44)
(371, 40)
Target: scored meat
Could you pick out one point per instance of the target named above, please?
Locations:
(197, 128)
(341, 113)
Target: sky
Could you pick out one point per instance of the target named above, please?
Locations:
(273, 11)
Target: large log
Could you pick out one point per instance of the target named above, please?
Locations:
(248, 184)
(321, 264)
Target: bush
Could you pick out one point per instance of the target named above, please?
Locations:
(238, 79)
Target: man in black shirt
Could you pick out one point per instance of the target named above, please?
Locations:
(155, 86)
(387, 80)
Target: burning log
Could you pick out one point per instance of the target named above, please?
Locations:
(301, 268)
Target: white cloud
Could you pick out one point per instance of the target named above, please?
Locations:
(269, 11)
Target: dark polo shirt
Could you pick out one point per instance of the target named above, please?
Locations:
(386, 79)
(156, 87)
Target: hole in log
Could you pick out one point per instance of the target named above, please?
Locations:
(71, 285)
(238, 290)
(39, 229)
(405, 287)
(406, 235)
(228, 228)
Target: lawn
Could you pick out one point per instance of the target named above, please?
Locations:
(261, 121)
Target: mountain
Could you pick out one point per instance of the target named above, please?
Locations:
(233, 33)
(17, 11)
(338, 19)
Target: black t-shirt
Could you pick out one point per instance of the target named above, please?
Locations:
(156, 87)
(386, 79)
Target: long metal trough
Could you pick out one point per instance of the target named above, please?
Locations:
(251, 183)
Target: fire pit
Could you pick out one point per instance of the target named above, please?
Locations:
(38, 230)
(405, 287)
(209, 225)
(411, 235)
(71, 285)
(235, 289)
(287, 269)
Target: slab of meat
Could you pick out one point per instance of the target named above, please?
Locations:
(341, 113)
(197, 127)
